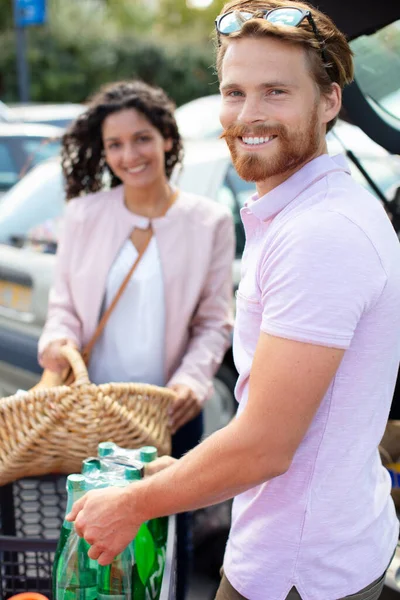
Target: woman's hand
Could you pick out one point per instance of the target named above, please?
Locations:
(51, 357)
(158, 465)
(184, 408)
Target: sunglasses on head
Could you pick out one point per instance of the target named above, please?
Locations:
(233, 21)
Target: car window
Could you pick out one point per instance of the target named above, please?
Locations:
(63, 123)
(377, 67)
(39, 149)
(8, 168)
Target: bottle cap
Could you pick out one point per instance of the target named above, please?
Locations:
(148, 454)
(105, 448)
(132, 473)
(90, 465)
(75, 482)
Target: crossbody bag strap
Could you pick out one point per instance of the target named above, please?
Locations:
(103, 321)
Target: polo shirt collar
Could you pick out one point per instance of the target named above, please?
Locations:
(269, 205)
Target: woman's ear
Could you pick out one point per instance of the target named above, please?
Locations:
(168, 143)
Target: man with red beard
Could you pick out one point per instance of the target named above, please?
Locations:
(317, 338)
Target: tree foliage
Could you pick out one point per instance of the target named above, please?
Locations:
(176, 18)
(6, 14)
(87, 43)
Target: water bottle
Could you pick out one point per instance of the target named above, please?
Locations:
(114, 581)
(74, 573)
(145, 454)
(150, 548)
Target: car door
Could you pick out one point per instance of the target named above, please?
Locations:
(8, 165)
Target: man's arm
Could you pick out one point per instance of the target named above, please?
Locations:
(287, 383)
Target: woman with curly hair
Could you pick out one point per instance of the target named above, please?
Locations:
(172, 323)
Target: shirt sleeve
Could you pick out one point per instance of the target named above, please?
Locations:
(319, 277)
(62, 321)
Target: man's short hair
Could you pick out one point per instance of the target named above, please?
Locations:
(339, 67)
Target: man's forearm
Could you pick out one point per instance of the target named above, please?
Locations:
(227, 463)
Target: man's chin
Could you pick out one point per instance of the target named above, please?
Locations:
(251, 168)
(246, 176)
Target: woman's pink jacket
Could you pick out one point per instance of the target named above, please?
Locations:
(196, 246)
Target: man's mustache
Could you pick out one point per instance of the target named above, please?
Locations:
(260, 130)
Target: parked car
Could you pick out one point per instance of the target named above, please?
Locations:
(59, 115)
(22, 146)
(6, 114)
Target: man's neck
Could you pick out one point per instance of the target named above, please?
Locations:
(263, 187)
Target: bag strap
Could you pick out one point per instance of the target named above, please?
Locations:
(104, 319)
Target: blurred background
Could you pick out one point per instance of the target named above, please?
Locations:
(164, 42)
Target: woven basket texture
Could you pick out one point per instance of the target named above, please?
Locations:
(51, 430)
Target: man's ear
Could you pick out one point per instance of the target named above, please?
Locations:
(332, 103)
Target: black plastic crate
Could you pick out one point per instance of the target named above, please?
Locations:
(31, 514)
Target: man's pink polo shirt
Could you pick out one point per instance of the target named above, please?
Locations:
(322, 266)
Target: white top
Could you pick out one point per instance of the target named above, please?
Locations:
(131, 347)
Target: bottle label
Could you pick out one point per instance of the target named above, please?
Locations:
(110, 597)
(153, 586)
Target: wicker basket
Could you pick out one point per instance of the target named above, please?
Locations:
(51, 430)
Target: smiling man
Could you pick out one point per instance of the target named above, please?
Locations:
(317, 338)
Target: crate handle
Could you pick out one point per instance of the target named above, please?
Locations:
(29, 596)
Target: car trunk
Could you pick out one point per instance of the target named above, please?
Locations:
(358, 18)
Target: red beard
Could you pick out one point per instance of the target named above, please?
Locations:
(291, 149)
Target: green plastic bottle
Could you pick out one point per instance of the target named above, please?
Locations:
(150, 547)
(132, 473)
(91, 466)
(114, 582)
(74, 573)
(106, 449)
(147, 454)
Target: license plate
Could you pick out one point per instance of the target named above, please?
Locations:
(15, 296)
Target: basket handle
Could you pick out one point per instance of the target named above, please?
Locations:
(77, 363)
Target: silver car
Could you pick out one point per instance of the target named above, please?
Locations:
(22, 146)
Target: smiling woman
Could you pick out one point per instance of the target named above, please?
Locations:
(102, 128)
(134, 150)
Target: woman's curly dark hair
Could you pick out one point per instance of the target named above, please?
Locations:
(82, 155)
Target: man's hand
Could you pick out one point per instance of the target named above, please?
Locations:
(105, 519)
(184, 408)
